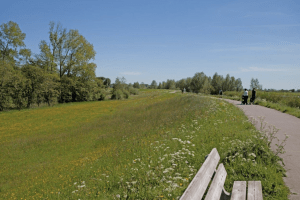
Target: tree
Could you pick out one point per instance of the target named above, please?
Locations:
(142, 85)
(216, 82)
(170, 84)
(238, 85)
(226, 85)
(120, 90)
(163, 85)
(16, 89)
(254, 83)
(69, 53)
(153, 84)
(34, 79)
(11, 39)
(197, 82)
(159, 86)
(107, 82)
(136, 85)
(188, 82)
(6, 73)
(206, 87)
(181, 84)
(232, 86)
(50, 88)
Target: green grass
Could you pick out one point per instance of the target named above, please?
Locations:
(287, 102)
(147, 147)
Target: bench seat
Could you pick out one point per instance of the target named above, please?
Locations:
(216, 191)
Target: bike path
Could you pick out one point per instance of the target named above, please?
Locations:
(287, 124)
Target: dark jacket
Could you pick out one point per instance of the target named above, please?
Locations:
(253, 94)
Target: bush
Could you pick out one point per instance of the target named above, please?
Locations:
(294, 102)
(126, 94)
(102, 95)
(133, 91)
(117, 94)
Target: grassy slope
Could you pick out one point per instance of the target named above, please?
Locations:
(148, 147)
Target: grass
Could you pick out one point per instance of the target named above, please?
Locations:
(147, 147)
(286, 102)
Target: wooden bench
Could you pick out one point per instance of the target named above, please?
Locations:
(199, 184)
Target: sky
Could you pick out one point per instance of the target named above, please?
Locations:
(146, 40)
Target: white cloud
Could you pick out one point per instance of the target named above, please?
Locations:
(131, 73)
(261, 69)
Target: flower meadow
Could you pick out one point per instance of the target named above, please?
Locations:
(147, 147)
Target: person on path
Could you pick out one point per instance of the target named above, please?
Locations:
(253, 95)
(245, 97)
(221, 92)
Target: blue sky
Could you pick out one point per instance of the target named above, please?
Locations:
(170, 39)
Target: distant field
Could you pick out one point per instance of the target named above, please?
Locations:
(288, 102)
(147, 147)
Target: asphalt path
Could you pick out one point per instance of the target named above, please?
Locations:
(289, 125)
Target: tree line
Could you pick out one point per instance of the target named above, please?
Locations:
(200, 83)
(61, 72)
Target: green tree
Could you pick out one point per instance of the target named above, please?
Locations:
(254, 83)
(238, 85)
(120, 91)
(188, 82)
(100, 81)
(6, 73)
(153, 84)
(206, 87)
(181, 84)
(49, 89)
(159, 86)
(142, 85)
(197, 82)
(16, 89)
(11, 40)
(34, 79)
(70, 53)
(226, 83)
(107, 82)
(163, 85)
(170, 84)
(216, 83)
(232, 86)
(136, 85)
(46, 57)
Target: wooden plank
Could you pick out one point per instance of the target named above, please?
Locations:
(198, 186)
(239, 190)
(216, 187)
(254, 190)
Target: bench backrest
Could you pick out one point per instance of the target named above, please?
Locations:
(198, 186)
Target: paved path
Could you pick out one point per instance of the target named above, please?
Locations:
(287, 124)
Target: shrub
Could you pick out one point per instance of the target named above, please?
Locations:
(294, 102)
(117, 94)
(133, 91)
(102, 95)
(126, 94)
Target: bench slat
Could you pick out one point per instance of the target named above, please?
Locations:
(217, 184)
(239, 190)
(198, 186)
(254, 190)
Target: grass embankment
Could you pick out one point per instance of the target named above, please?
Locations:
(287, 102)
(147, 147)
